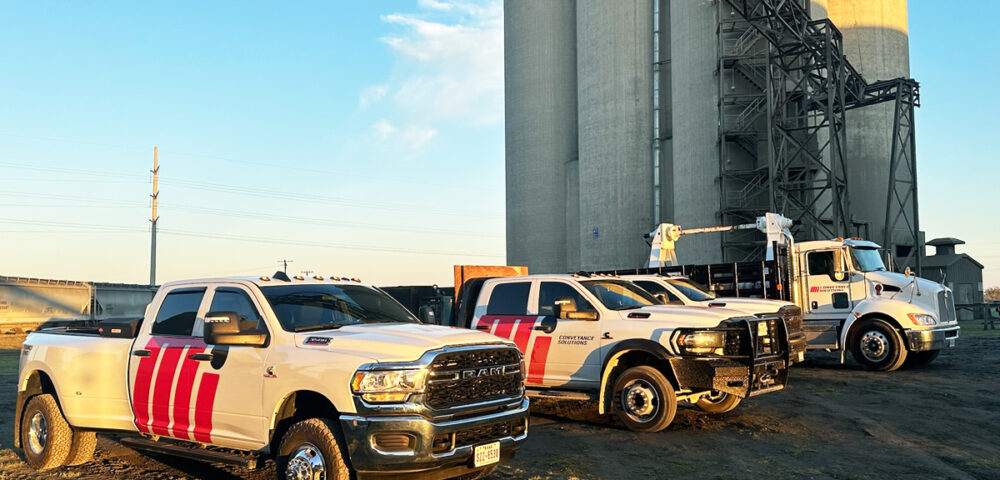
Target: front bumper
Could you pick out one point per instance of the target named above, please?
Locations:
(796, 347)
(442, 448)
(936, 339)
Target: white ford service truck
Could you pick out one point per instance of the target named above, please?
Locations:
(679, 290)
(330, 377)
(605, 339)
(849, 300)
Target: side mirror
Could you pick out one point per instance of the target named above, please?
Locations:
(661, 298)
(565, 308)
(908, 272)
(838, 264)
(223, 328)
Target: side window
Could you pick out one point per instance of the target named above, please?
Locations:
(509, 299)
(234, 300)
(820, 263)
(177, 313)
(572, 300)
(655, 288)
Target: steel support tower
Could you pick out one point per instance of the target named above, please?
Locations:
(784, 89)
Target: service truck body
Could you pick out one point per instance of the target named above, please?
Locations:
(404, 397)
(605, 338)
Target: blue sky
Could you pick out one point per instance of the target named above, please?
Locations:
(356, 138)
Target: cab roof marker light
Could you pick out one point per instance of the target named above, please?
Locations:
(299, 277)
(318, 277)
(265, 278)
(356, 280)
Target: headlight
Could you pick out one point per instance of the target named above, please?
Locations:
(388, 386)
(702, 342)
(922, 319)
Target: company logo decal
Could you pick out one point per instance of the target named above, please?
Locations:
(155, 384)
(828, 289)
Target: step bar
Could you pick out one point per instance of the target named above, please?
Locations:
(248, 461)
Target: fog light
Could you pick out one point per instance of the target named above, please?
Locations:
(394, 442)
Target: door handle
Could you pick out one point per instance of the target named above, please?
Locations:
(141, 353)
(546, 328)
(482, 327)
(201, 357)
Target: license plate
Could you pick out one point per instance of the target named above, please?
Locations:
(487, 454)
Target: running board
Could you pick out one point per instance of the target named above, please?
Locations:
(561, 395)
(201, 454)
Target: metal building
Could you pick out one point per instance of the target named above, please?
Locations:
(961, 273)
(705, 113)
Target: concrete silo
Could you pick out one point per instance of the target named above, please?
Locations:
(541, 129)
(694, 178)
(876, 42)
(615, 119)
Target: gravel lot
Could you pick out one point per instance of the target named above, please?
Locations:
(832, 421)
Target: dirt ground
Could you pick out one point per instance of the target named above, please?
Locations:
(832, 421)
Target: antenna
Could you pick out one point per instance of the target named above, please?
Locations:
(284, 264)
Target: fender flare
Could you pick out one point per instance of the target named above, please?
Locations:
(864, 311)
(650, 347)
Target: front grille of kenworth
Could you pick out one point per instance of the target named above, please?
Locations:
(473, 376)
(946, 305)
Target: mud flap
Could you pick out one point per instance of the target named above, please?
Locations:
(761, 366)
(22, 399)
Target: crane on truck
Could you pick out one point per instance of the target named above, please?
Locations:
(850, 301)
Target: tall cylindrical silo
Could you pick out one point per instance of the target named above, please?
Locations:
(695, 112)
(541, 129)
(615, 119)
(876, 42)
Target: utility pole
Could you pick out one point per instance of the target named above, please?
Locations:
(153, 219)
(285, 263)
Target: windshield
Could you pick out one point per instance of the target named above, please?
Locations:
(867, 259)
(692, 290)
(619, 294)
(313, 307)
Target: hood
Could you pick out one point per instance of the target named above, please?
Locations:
(393, 342)
(900, 280)
(928, 289)
(684, 316)
(748, 305)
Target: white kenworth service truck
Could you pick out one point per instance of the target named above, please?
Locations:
(330, 377)
(849, 301)
(603, 338)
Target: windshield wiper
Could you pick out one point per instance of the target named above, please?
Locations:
(322, 326)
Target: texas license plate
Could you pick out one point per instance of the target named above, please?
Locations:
(487, 454)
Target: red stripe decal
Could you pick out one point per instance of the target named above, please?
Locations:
(142, 385)
(164, 384)
(204, 406)
(504, 326)
(182, 395)
(539, 354)
(523, 334)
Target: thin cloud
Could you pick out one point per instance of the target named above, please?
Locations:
(372, 94)
(408, 138)
(452, 56)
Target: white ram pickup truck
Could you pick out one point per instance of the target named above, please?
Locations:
(330, 377)
(679, 290)
(606, 339)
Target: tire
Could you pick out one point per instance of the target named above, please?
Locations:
(644, 399)
(46, 437)
(919, 359)
(718, 402)
(308, 446)
(82, 450)
(877, 346)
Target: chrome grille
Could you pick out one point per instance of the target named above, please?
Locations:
(946, 306)
(473, 376)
